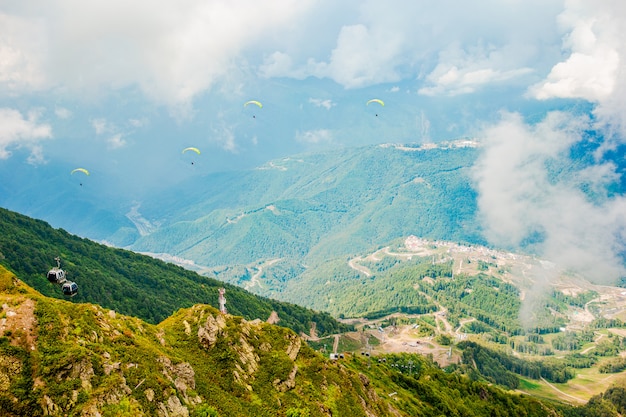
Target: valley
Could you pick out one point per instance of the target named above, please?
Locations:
(387, 263)
(436, 334)
(425, 319)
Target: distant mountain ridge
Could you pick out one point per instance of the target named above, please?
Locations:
(307, 207)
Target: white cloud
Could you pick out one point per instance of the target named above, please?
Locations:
(100, 126)
(224, 137)
(62, 112)
(36, 156)
(594, 66)
(279, 64)
(316, 136)
(591, 77)
(171, 51)
(362, 57)
(399, 40)
(174, 52)
(325, 103)
(461, 72)
(22, 41)
(18, 131)
(593, 40)
(116, 141)
(519, 196)
(114, 138)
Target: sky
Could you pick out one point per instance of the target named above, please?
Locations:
(122, 87)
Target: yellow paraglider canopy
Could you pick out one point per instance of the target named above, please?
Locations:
(196, 150)
(83, 170)
(376, 100)
(258, 103)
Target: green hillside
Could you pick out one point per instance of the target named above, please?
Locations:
(308, 207)
(61, 358)
(131, 283)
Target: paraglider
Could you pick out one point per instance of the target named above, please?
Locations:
(196, 150)
(82, 170)
(256, 103)
(375, 100)
(192, 149)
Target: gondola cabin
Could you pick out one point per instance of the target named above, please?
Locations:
(56, 275)
(70, 288)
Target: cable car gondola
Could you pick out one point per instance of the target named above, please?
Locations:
(56, 275)
(70, 288)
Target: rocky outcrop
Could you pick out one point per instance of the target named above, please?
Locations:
(273, 318)
(172, 408)
(82, 369)
(248, 358)
(208, 334)
(182, 376)
(293, 348)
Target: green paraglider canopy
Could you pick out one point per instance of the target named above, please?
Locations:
(196, 150)
(255, 102)
(375, 100)
(83, 170)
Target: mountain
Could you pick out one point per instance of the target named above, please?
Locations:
(63, 358)
(308, 207)
(132, 283)
(299, 208)
(292, 215)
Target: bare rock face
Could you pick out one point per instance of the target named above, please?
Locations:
(208, 334)
(49, 407)
(172, 408)
(273, 318)
(295, 343)
(183, 377)
(248, 358)
(109, 366)
(248, 361)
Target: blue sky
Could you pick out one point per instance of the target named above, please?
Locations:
(122, 87)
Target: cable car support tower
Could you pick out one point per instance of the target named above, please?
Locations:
(222, 301)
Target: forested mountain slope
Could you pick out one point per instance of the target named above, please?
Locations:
(308, 207)
(128, 282)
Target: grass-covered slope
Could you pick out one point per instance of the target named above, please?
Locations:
(61, 358)
(128, 282)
